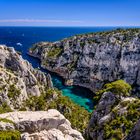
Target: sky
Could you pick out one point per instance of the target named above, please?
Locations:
(70, 13)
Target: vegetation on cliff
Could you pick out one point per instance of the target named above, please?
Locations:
(119, 87)
(6, 120)
(13, 92)
(9, 135)
(4, 108)
(54, 52)
(123, 114)
(121, 124)
(53, 99)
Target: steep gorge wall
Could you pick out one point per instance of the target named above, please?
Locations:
(91, 60)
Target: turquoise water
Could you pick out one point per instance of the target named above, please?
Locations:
(22, 38)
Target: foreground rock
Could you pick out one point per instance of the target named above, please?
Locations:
(116, 116)
(91, 60)
(113, 120)
(41, 125)
(18, 79)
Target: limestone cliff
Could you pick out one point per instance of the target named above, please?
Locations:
(24, 88)
(18, 79)
(93, 59)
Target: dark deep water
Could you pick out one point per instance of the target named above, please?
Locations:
(22, 38)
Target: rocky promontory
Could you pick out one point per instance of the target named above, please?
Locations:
(94, 59)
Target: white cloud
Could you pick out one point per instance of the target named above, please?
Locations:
(37, 21)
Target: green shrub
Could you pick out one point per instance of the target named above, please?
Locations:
(6, 120)
(82, 44)
(121, 126)
(36, 103)
(124, 103)
(117, 134)
(23, 109)
(9, 135)
(4, 108)
(13, 92)
(54, 52)
(119, 87)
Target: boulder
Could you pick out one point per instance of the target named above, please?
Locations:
(41, 125)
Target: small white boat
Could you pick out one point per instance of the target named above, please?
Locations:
(19, 44)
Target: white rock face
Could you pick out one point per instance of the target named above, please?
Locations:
(43, 125)
(91, 60)
(18, 73)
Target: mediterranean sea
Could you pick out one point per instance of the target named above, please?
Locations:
(22, 38)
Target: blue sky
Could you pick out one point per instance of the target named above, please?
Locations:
(69, 12)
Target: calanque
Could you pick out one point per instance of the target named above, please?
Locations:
(107, 63)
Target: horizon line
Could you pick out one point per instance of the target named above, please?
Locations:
(71, 26)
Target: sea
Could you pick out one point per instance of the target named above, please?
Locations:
(22, 38)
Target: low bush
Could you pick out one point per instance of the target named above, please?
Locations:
(121, 126)
(6, 120)
(119, 87)
(54, 52)
(13, 92)
(4, 108)
(9, 135)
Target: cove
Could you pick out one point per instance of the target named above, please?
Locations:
(22, 38)
(79, 95)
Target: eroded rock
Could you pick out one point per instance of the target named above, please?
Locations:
(42, 125)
